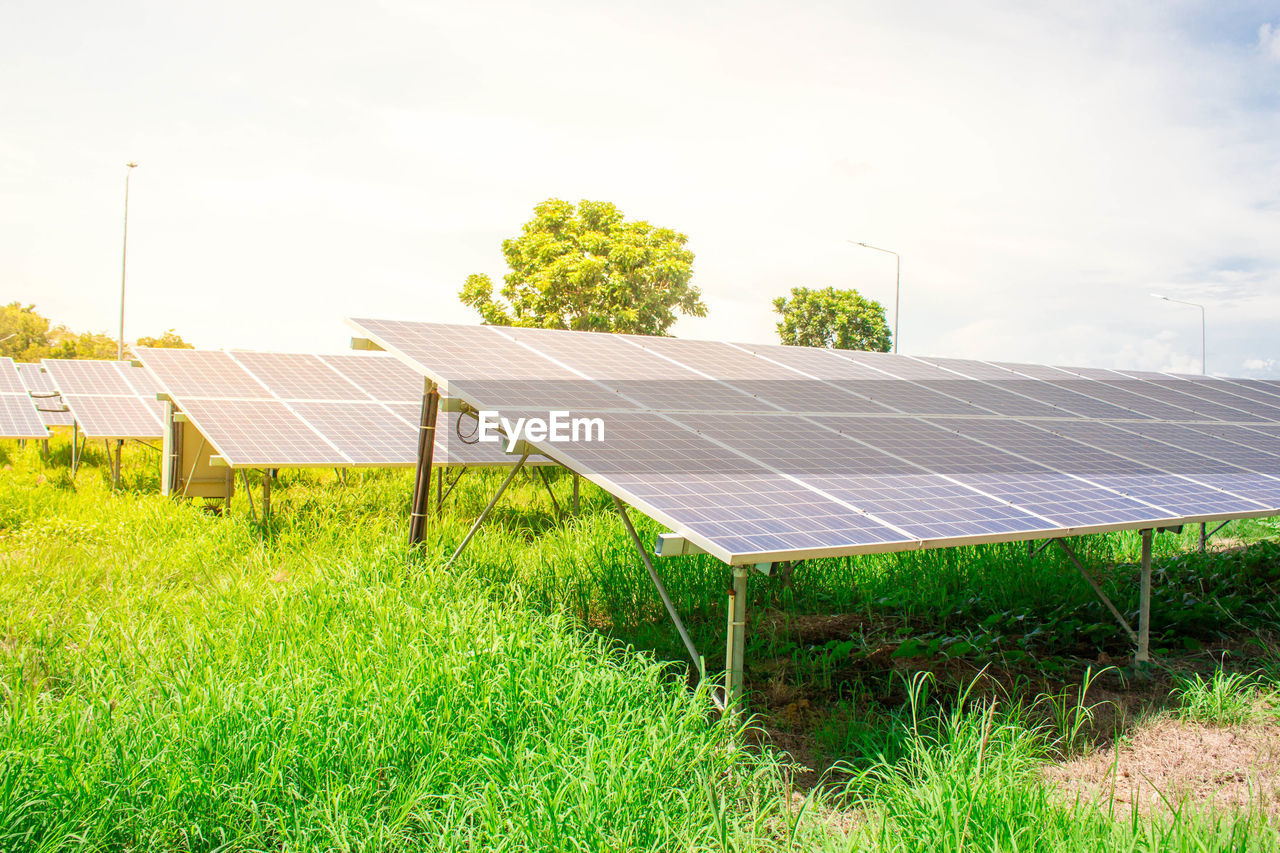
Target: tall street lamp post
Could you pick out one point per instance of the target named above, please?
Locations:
(124, 257)
(1204, 366)
(897, 285)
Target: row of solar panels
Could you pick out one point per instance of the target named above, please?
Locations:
(258, 410)
(758, 453)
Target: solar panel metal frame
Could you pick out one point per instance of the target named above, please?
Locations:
(378, 333)
(19, 418)
(93, 408)
(200, 407)
(48, 402)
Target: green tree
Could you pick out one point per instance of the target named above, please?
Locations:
(588, 268)
(169, 340)
(24, 333)
(841, 319)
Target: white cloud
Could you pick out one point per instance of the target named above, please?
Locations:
(1040, 169)
(1269, 41)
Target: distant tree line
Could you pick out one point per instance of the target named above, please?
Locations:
(586, 267)
(27, 335)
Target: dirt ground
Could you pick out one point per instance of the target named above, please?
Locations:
(1167, 763)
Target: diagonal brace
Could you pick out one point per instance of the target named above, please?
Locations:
(546, 481)
(466, 540)
(694, 654)
(1133, 635)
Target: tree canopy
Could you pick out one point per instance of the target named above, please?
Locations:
(841, 319)
(27, 335)
(169, 340)
(585, 267)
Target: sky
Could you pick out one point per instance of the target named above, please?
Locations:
(1042, 168)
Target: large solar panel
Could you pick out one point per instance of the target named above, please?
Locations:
(758, 453)
(53, 412)
(18, 415)
(283, 410)
(108, 399)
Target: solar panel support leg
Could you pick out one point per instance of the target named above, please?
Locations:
(248, 493)
(440, 472)
(735, 643)
(1204, 537)
(546, 481)
(1102, 596)
(511, 475)
(115, 466)
(267, 476)
(699, 662)
(1144, 602)
(426, 452)
(453, 485)
(75, 447)
(576, 481)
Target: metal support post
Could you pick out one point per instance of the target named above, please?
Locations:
(576, 504)
(1144, 602)
(462, 470)
(694, 654)
(115, 468)
(268, 475)
(1204, 537)
(426, 453)
(546, 481)
(488, 508)
(736, 641)
(248, 492)
(1124, 623)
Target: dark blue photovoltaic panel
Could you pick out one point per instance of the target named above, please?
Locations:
(1210, 472)
(1211, 392)
(672, 472)
(1163, 491)
(1063, 500)
(919, 502)
(768, 452)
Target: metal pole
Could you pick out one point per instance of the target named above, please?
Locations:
(575, 492)
(1204, 352)
(489, 508)
(124, 256)
(267, 476)
(737, 637)
(426, 453)
(115, 472)
(1204, 536)
(1144, 601)
(75, 447)
(897, 285)
(897, 290)
(657, 582)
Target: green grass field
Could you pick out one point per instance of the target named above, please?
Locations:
(176, 680)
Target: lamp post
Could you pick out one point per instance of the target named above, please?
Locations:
(897, 284)
(124, 257)
(1204, 365)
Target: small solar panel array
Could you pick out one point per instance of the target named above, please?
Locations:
(52, 410)
(757, 453)
(108, 399)
(18, 416)
(290, 410)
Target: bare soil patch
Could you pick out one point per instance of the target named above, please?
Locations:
(1167, 763)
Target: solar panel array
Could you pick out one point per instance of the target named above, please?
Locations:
(108, 399)
(287, 410)
(759, 453)
(18, 417)
(53, 412)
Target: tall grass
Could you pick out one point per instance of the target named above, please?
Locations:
(175, 680)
